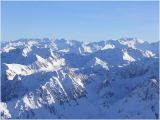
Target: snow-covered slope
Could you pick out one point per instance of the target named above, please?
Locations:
(43, 78)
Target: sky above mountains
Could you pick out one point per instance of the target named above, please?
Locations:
(84, 21)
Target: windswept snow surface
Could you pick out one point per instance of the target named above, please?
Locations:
(44, 78)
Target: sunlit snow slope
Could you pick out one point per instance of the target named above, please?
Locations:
(43, 78)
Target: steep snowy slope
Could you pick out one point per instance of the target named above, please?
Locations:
(45, 78)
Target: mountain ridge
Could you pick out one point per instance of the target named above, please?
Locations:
(46, 78)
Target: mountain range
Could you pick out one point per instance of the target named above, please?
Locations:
(112, 79)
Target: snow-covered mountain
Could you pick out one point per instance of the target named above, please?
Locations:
(43, 78)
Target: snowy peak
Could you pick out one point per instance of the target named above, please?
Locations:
(51, 79)
(108, 46)
(131, 42)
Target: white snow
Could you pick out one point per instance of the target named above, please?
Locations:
(108, 46)
(4, 111)
(74, 80)
(127, 57)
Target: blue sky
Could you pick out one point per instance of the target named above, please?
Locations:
(85, 21)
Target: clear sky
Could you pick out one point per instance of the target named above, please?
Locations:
(85, 21)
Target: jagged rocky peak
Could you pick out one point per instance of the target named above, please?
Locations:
(46, 78)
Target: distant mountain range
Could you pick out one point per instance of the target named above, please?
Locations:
(43, 78)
